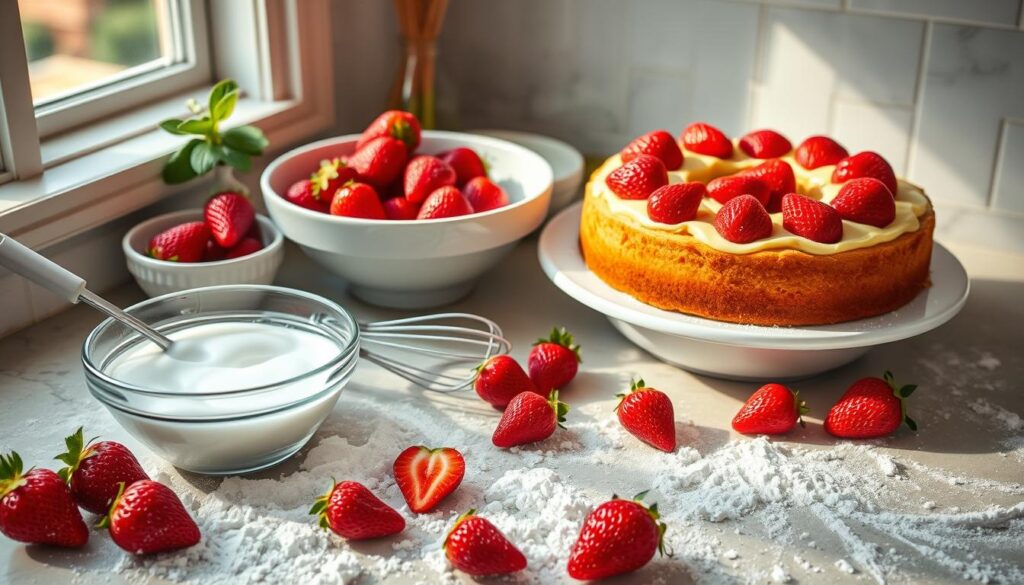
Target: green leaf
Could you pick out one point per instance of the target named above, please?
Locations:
(247, 139)
(223, 109)
(203, 158)
(201, 126)
(236, 158)
(223, 88)
(171, 125)
(179, 167)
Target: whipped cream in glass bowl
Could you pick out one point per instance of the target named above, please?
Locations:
(252, 373)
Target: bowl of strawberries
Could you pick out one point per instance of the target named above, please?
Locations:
(409, 218)
(226, 242)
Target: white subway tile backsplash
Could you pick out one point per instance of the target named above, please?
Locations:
(980, 227)
(1008, 187)
(658, 100)
(1002, 12)
(883, 129)
(974, 79)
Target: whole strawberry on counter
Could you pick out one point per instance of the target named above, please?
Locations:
(95, 471)
(870, 408)
(500, 379)
(36, 506)
(352, 512)
(426, 476)
(529, 418)
(619, 536)
(648, 415)
(475, 547)
(553, 361)
(772, 410)
(397, 124)
(147, 517)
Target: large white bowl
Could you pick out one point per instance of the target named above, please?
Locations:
(160, 277)
(413, 264)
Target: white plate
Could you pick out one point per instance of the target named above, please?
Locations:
(745, 351)
(565, 161)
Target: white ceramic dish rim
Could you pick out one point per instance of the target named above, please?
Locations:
(571, 170)
(535, 158)
(558, 252)
(276, 241)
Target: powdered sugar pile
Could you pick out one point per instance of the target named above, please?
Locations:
(780, 504)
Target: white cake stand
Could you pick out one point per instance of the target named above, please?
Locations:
(745, 352)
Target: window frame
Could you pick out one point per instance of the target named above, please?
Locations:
(72, 182)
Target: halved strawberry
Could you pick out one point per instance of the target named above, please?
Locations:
(779, 177)
(819, 151)
(675, 203)
(723, 189)
(638, 178)
(866, 164)
(357, 200)
(395, 124)
(426, 476)
(765, 144)
(866, 201)
(181, 243)
(445, 202)
(379, 161)
(743, 219)
(466, 162)
(706, 139)
(811, 219)
(484, 194)
(229, 216)
(657, 143)
(424, 175)
(400, 208)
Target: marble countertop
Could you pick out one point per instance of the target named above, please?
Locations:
(968, 455)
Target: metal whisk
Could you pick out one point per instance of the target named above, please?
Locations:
(436, 352)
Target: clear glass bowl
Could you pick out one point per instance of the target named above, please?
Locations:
(234, 430)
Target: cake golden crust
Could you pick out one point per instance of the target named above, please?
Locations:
(771, 287)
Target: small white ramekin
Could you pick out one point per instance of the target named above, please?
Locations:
(159, 277)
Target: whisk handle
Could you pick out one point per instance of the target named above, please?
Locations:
(22, 260)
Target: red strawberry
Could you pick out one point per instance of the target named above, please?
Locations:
(325, 182)
(723, 189)
(484, 195)
(870, 408)
(638, 178)
(445, 202)
(301, 194)
(742, 220)
(395, 124)
(866, 201)
(648, 415)
(354, 513)
(379, 161)
(528, 418)
(500, 379)
(865, 164)
(780, 179)
(424, 175)
(619, 536)
(706, 139)
(213, 253)
(400, 208)
(659, 144)
(475, 547)
(181, 243)
(37, 507)
(811, 219)
(244, 248)
(95, 470)
(357, 200)
(765, 144)
(466, 162)
(675, 203)
(553, 361)
(772, 410)
(426, 475)
(147, 517)
(229, 216)
(819, 151)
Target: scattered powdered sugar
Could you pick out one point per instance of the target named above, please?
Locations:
(781, 504)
